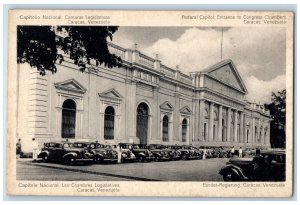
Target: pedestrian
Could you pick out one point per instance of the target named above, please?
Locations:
(119, 151)
(204, 153)
(35, 149)
(240, 152)
(18, 147)
(232, 151)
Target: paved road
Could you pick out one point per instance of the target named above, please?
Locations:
(191, 170)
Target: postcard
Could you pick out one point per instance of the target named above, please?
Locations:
(150, 103)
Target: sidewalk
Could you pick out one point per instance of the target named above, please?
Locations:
(28, 160)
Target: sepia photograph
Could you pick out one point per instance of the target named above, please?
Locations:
(137, 103)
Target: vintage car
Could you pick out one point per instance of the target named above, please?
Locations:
(185, 153)
(142, 153)
(173, 152)
(101, 153)
(220, 152)
(194, 152)
(64, 152)
(160, 152)
(269, 165)
(126, 152)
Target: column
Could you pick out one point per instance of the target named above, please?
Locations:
(228, 124)
(201, 120)
(195, 121)
(253, 140)
(235, 126)
(259, 132)
(211, 122)
(268, 142)
(242, 128)
(220, 124)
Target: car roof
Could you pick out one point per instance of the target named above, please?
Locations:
(246, 159)
(272, 151)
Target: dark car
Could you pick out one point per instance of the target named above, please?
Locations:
(142, 153)
(220, 152)
(173, 152)
(160, 152)
(269, 165)
(101, 153)
(183, 150)
(64, 152)
(195, 153)
(126, 152)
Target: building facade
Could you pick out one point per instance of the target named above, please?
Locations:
(143, 101)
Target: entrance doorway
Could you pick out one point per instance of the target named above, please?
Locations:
(142, 122)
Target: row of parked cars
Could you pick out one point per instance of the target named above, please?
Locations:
(73, 152)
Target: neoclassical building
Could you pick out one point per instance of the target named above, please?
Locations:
(144, 101)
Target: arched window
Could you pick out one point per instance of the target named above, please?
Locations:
(255, 133)
(165, 130)
(109, 123)
(142, 119)
(184, 130)
(265, 136)
(68, 119)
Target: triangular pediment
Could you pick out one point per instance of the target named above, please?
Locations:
(70, 85)
(112, 94)
(227, 73)
(166, 106)
(185, 110)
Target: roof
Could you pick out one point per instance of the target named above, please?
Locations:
(210, 70)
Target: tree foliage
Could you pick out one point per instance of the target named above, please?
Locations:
(278, 112)
(38, 46)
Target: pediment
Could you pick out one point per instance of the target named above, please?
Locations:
(227, 73)
(166, 106)
(70, 85)
(185, 110)
(111, 94)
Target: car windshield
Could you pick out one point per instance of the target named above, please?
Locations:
(67, 145)
(125, 146)
(97, 145)
(80, 145)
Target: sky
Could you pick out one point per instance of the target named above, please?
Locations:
(259, 54)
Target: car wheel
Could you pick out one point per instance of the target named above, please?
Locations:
(141, 159)
(185, 157)
(98, 159)
(45, 158)
(158, 159)
(230, 176)
(70, 161)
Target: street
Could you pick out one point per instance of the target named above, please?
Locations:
(190, 170)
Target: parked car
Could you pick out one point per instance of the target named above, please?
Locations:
(101, 153)
(267, 166)
(160, 152)
(142, 153)
(220, 152)
(183, 150)
(126, 152)
(65, 152)
(173, 152)
(195, 153)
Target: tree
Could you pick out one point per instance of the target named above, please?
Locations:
(278, 112)
(38, 46)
